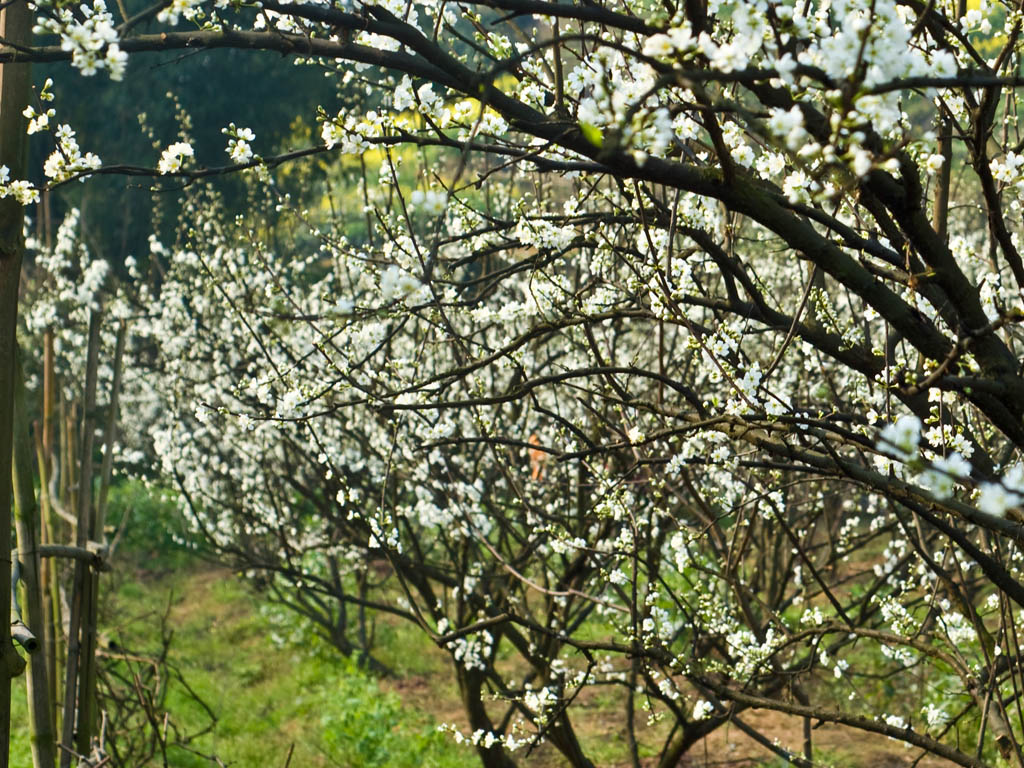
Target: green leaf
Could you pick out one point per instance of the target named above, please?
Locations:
(592, 134)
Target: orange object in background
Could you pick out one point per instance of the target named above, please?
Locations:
(538, 459)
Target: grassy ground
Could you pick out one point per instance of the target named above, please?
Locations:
(274, 699)
(269, 699)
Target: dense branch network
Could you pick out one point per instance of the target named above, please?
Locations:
(664, 349)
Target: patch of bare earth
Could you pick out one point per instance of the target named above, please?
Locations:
(833, 746)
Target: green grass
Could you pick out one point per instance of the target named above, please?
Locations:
(266, 696)
(20, 753)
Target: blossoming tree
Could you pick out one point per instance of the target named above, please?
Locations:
(671, 348)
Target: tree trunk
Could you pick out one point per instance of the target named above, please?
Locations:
(471, 688)
(16, 29)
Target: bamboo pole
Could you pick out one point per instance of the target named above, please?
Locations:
(53, 635)
(76, 711)
(110, 435)
(48, 581)
(87, 697)
(49, 383)
(41, 733)
(67, 464)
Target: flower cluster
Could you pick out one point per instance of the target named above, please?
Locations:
(172, 158)
(19, 189)
(239, 147)
(89, 36)
(67, 159)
